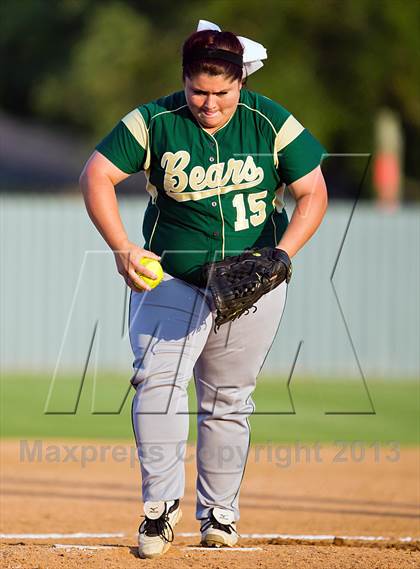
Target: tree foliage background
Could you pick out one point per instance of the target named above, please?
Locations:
(333, 63)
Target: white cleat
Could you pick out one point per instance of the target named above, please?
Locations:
(156, 532)
(219, 529)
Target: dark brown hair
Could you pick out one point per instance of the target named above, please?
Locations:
(216, 40)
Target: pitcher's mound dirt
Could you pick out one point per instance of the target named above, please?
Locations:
(284, 492)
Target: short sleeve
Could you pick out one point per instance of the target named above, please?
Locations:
(126, 146)
(298, 151)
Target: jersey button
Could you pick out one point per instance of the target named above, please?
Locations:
(211, 159)
(215, 234)
(213, 204)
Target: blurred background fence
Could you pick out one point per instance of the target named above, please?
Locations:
(62, 298)
(347, 69)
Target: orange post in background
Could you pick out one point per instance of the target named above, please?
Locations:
(387, 164)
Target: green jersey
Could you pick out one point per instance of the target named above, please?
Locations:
(212, 195)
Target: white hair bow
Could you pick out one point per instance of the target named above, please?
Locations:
(254, 52)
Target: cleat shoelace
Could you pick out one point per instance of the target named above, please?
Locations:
(159, 528)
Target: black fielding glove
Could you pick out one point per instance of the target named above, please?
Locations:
(238, 282)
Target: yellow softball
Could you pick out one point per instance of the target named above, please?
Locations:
(153, 266)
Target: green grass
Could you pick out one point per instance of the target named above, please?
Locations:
(320, 410)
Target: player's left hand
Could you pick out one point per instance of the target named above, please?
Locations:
(238, 282)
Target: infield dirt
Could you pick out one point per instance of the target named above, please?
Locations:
(315, 495)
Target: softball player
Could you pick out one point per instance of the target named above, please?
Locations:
(217, 158)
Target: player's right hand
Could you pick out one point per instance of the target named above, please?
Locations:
(127, 258)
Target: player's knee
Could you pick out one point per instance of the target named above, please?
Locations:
(227, 405)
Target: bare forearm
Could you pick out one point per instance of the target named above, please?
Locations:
(98, 181)
(311, 203)
(102, 206)
(305, 220)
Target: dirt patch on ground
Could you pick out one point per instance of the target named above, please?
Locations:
(300, 507)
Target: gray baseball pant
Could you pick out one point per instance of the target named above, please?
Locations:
(172, 337)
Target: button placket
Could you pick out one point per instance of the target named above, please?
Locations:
(213, 145)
